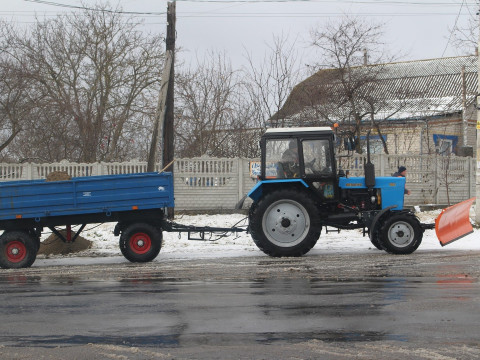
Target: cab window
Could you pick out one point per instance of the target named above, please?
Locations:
(281, 159)
(317, 157)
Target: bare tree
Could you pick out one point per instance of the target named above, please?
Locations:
(95, 75)
(347, 47)
(211, 109)
(464, 37)
(16, 99)
(15, 105)
(272, 80)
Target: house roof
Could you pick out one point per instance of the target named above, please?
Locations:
(408, 89)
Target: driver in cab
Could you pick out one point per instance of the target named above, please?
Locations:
(290, 161)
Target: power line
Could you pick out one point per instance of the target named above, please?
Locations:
(193, 14)
(68, 6)
(253, 14)
(376, 2)
(454, 27)
(233, 15)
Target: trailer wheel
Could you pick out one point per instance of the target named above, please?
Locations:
(18, 249)
(400, 234)
(281, 224)
(140, 242)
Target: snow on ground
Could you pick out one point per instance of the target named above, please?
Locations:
(175, 247)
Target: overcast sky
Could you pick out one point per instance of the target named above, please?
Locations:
(419, 28)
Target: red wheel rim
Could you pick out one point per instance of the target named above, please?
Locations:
(140, 243)
(16, 251)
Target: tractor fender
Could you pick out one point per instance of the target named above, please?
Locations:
(257, 191)
(377, 217)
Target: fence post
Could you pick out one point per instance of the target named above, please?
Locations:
(436, 183)
(99, 168)
(240, 178)
(382, 164)
(469, 181)
(29, 171)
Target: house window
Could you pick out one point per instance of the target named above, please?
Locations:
(445, 144)
(376, 144)
(444, 147)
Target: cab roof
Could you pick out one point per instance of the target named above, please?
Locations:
(299, 130)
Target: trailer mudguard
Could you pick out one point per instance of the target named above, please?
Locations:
(256, 192)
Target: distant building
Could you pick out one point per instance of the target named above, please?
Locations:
(415, 107)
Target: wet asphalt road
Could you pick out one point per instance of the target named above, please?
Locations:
(363, 306)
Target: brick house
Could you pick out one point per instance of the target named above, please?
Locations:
(413, 107)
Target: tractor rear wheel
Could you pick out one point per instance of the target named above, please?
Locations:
(18, 249)
(282, 223)
(400, 234)
(140, 242)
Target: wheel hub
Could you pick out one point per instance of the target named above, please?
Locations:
(401, 234)
(16, 251)
(286, 223)
(140, 243)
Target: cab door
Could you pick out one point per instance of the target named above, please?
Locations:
(318, 166)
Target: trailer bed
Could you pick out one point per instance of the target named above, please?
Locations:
(39, 199)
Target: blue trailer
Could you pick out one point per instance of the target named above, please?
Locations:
(135, 201)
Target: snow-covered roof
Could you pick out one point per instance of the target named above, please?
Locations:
(297, 129)
(400, 90)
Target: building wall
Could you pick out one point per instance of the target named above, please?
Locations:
(421, 137)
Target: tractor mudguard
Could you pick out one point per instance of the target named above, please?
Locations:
(256, 193)
(378, 216)
(453, 223)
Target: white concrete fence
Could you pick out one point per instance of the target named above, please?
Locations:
(218, 184)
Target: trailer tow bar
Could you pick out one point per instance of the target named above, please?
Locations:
(198, 232)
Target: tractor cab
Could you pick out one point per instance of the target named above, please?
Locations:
(300, 153)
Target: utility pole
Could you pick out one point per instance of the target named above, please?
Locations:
(159, 114)
(477, 204)
(163, 125)
(168, 145)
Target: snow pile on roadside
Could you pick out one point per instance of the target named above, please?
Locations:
(176, 246)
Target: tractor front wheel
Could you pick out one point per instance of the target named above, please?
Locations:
(282, 223)
(140, 242)
(400, 234)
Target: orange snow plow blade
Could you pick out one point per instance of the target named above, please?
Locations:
(453, 222)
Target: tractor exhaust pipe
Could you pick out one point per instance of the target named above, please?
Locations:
(369, 168)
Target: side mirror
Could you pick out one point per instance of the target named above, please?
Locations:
(349, 144)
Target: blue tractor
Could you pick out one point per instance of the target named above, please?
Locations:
(301, 191)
